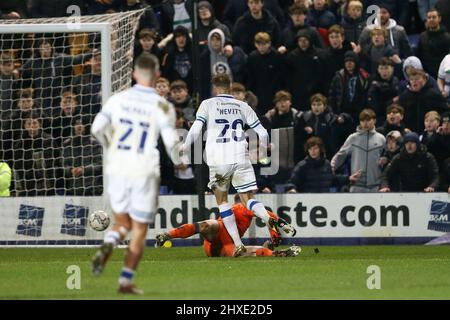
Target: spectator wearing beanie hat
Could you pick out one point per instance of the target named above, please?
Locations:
(208, 22)
(305, 71)
(412, 170)
(348, 87)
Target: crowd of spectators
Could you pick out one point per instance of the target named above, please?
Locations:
(365, 94)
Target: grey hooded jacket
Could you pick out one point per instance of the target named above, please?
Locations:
(397, 38)
(365, 148)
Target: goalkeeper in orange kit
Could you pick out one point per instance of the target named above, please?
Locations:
(218, 243)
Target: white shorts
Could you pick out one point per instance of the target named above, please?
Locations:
(136, 196)
(241, 176)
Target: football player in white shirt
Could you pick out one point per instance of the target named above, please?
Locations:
(129, 126)
(227, 154)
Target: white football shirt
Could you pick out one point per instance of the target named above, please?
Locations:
(225, 118)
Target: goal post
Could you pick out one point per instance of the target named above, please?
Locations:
(52, 208)
(103, 28)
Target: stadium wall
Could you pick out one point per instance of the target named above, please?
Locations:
(320, 219)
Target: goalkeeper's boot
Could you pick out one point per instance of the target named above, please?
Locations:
(289, 252)
(161, 238)
(130, 289)
(100, 258)
(240, 251)
(275, 235)
(283, 225)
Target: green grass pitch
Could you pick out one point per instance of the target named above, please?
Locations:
(407, 272)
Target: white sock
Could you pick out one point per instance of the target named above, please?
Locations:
(259, 210)
(230, 223)
(126, 276)
(112, 237)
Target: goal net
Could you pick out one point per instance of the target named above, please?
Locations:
(54, 75)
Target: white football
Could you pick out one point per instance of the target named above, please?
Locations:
(99, 220)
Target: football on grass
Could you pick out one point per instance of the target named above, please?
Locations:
(99, 220)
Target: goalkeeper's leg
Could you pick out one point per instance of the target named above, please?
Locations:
(119, 231)
(208, 229)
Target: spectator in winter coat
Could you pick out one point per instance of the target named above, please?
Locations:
(173, 14)
(49, 72)
(413, 170)
(394, 143)
(443, 6)
(179, 96)
(420, 99)
(398, 9)
(36, 161)
(348, 88)
(82, 161)
(436, 137)
(264, 72)
(62, 118)
(298, 22)
(377, 50)
(305, 71)
(383, 88)
(177, 61)
(252, 22)
(434, 43)
(394, 120)
(396, 35)
(9, 82)
(414, 63)
(334, 54)
(319, 16)
(236, 8)
(313, 174)
(147, 43)
(353, 20)
(321, 122)
(215, 59)
(364, 147)
(11, 123)
(208, 22)
(283, 115)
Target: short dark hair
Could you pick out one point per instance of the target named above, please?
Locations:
(397, 107)
(319, 97)
(282, 95)
(336, 29)
(315, 141)
(146, 33)
(147, 61)
(221, 81)
(237, 87)
(297, 9)
(385, 61)
(367, 114)
(434, 10)
(178, 84)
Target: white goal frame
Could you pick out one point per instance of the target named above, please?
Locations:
(104, 28)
